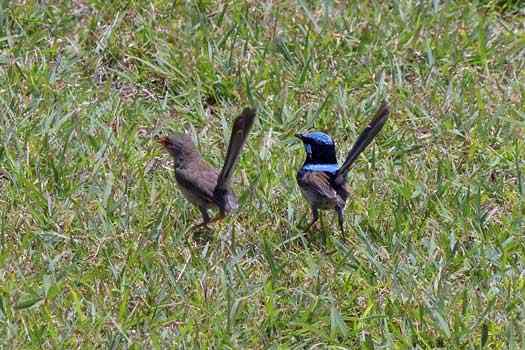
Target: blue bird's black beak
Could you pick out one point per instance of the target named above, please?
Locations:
(300, 136)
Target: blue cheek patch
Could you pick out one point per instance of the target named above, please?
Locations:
(308, 148)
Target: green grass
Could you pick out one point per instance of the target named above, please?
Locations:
(94, 243)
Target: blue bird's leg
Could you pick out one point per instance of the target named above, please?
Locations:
(341, 218)
(315, 217)
(323, 232)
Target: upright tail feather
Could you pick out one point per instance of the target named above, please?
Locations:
(241, 129)
(367, 135)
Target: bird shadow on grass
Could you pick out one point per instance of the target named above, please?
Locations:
(202, 236)
(319, 239)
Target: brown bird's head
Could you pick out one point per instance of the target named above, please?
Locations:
(181, 148)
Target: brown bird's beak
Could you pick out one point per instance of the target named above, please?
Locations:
(164, 141)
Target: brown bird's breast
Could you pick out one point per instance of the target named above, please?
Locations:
(197, 182)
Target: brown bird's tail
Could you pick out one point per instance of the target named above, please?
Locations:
(367, 135)
(241, 129)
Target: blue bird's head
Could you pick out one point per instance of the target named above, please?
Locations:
(319, 147)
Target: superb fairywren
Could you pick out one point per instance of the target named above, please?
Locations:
(321, 180)
(201, 184)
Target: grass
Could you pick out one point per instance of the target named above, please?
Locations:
(94, 243)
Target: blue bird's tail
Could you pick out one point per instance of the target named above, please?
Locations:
(366, 137)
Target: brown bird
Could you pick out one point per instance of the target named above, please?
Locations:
(200, 183)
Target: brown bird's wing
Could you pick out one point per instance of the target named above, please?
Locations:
(317, 187)
(363, 141)
(241, 129)
(197, 182)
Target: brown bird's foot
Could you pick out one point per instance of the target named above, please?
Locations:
(218, 218)
(205, 220)
(198, 226)
(205, 223)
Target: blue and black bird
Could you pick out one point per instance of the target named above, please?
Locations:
(321, 180)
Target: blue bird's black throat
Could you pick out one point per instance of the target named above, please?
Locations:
(320, 152)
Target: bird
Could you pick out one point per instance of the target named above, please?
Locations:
(202, 184)
(321, 180)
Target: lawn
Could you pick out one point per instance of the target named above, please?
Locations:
(95, 246)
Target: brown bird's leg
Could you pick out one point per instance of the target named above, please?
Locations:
(315, 217)
(205, 219)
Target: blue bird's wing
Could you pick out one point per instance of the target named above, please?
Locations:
(317, 187)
